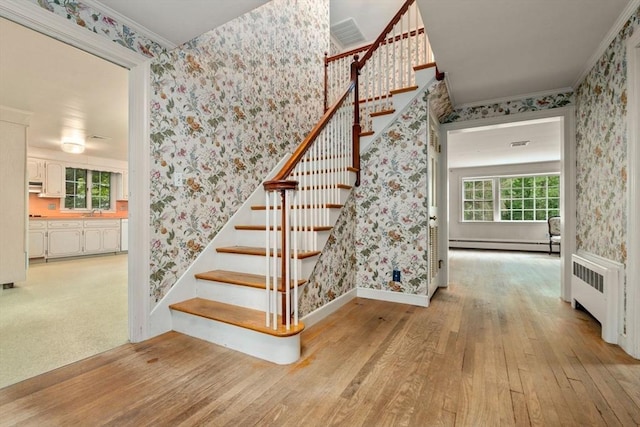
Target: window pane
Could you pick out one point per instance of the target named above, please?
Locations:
(531, 198)
(477, 200)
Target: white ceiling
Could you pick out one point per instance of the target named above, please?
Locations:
(493, 49)
(491, 145)
(180, 21)
(69, 92)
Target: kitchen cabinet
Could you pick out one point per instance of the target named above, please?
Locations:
(101, 235)
(64, 238)
(37, 239)
(35, 169)
(122, 185)
(124, 235)
(54, 180)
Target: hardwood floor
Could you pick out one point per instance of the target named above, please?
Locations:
(498, 347)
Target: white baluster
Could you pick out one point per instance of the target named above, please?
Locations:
(267, 274)
(295, 258)
(274, 276)
(286, 280)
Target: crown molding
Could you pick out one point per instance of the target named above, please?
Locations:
(59, 28)
(447, 83)
(515, 97)
(138, 28)
(606, 41)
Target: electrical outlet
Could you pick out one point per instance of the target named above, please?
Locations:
(396, 275)
(178, 179)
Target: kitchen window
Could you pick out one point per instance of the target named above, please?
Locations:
(87, 189)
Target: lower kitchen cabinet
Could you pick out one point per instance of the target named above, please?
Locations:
(64, 242)
(37, 239)
(67, 238)
(101, 235)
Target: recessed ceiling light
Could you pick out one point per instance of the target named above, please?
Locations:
(519, 143)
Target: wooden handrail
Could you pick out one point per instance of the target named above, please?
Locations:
(383, 34)
(297, 155)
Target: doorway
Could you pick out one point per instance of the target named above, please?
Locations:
(565, 116)
(74, 305)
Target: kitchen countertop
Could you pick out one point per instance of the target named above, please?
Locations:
(79, 216)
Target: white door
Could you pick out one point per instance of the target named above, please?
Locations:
(92, 240)
(433, 151)
(65, 242)
(111, 240)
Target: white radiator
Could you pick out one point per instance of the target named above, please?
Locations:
(596, 286)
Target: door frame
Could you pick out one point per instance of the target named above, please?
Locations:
(57, 27)
(631, 340)
(567, 181)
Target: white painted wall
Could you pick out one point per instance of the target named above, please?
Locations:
(533, 233)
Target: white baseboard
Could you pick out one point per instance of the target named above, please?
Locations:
(411, 299)
(328, 309)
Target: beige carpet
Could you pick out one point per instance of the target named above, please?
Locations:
(64, 312)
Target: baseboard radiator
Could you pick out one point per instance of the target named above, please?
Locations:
(596, 286)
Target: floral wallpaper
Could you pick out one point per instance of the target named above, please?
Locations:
(601, 126)
(391, 211)
(99, 23)
(510, 107)
(439, 101)
(335, 273)
(225, 108)
(601, 151)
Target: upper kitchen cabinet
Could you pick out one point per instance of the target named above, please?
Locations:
(35, 170)
(122, 185)
(54, 182)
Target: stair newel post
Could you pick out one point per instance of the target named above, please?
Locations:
(355, 71)
(326, 81)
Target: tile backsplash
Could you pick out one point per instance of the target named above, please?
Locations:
(43, 206)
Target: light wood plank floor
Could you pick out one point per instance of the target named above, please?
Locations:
(498, 347)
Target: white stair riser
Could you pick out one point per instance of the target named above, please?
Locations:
(254, 264)
(257, 238)
(281, 351)
(258, 217)
(243, 296)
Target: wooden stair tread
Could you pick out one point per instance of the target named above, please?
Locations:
(250, 250)
(234, 315)
(327, 205)
(367, 133)
(264, 227)
(242, 279)
(404, 89)
(382, 113)
(424, 66)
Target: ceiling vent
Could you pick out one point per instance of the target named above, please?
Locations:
(347, 32)
(519, 144)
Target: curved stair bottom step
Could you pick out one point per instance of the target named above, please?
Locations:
(279, 350)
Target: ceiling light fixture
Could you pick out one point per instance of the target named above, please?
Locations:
(73, 145)
(519, 144)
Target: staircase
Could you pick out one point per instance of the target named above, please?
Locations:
(246, 297)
